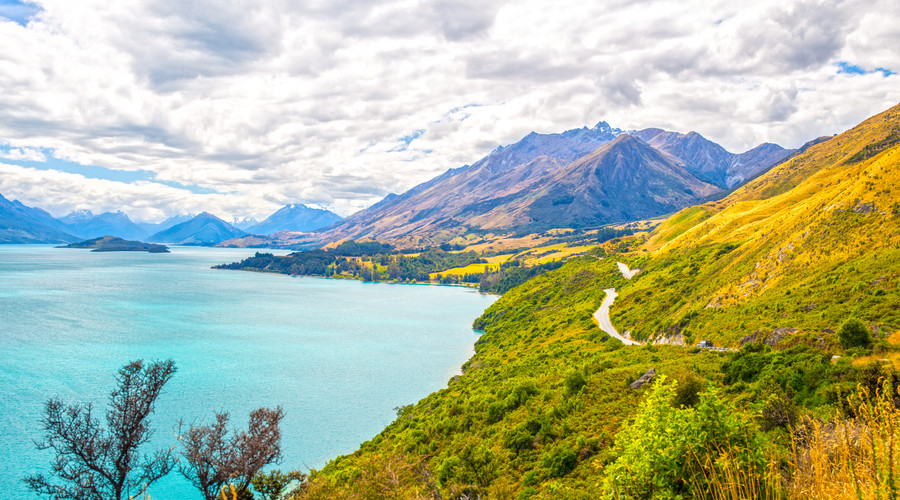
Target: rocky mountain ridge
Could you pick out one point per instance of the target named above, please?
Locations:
(525, 186)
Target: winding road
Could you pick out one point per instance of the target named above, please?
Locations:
(602, 314)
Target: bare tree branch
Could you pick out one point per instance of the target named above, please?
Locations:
(94, 462)
(214, 459)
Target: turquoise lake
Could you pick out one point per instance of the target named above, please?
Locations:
(337, 355)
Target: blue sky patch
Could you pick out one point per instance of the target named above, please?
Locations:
(852, 69)
(406, 139)
(19, 12)
(95, 172)
(413, 136)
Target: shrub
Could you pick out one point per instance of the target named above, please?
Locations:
(663, 452)
(518, 440)
(688, 393)
(574, 382)
(495, 412)
(854, 334)
(561, 461)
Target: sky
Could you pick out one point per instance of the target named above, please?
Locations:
(164, 107)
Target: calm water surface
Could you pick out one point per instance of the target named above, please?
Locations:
(337, 355)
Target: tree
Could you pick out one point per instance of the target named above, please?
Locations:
(97, 462)
(214, 459)
(854, 334)
(271, 486)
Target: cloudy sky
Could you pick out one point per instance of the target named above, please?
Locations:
(158, 107)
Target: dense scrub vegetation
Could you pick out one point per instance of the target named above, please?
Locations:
(544, 409)
(799, 269)
(510, 275)
(352, 260)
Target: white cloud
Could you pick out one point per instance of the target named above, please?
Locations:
(63, 192)
(23, 154)
(269, 101)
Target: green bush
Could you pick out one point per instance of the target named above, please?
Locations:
(561, 461)
(854, 334)
(688, 393)
(574, 382)
(662, 453)
(518, 440)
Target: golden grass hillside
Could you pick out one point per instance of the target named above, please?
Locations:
(796, 248)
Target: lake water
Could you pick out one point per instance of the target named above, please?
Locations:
(337, 355)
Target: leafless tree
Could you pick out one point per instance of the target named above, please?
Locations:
(214, 459)
(97, 462)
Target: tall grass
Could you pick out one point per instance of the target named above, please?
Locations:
(853, 458)
(849, 458)
(729, 478)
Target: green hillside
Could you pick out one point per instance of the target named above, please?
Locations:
(811, 243)
(544, 408)
(536, 410)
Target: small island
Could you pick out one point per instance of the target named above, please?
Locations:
(115, 244)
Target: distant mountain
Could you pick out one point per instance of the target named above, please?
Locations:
(23, 224)
(530, 185)
(244, 223)
(87, 225)
(204, 229)
(709, 161)
(280, 239)
(295, 217)
(115, 244)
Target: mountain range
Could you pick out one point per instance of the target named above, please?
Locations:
(584, 177)
(23, 224)
(579, 178)
(87, 225)
(295, 217)
(204, 229)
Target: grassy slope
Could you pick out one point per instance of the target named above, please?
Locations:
(523, 380)
(805, 246)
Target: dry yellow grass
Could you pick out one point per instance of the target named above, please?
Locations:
(894, 339)
(462, 271)
(892, 358)
(851, 458)
(539, 255)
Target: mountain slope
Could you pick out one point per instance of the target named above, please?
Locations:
(711, 162)
(518, 187)
(623, 180)
(431, 208)
(204, 229)
(23, 224)
(295, 217)
(87, 225)
(804, 246)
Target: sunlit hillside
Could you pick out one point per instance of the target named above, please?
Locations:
(805, 245)
(546, 409)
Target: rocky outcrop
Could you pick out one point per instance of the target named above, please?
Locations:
(770, 339)
(646, 378)
(779, 334)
